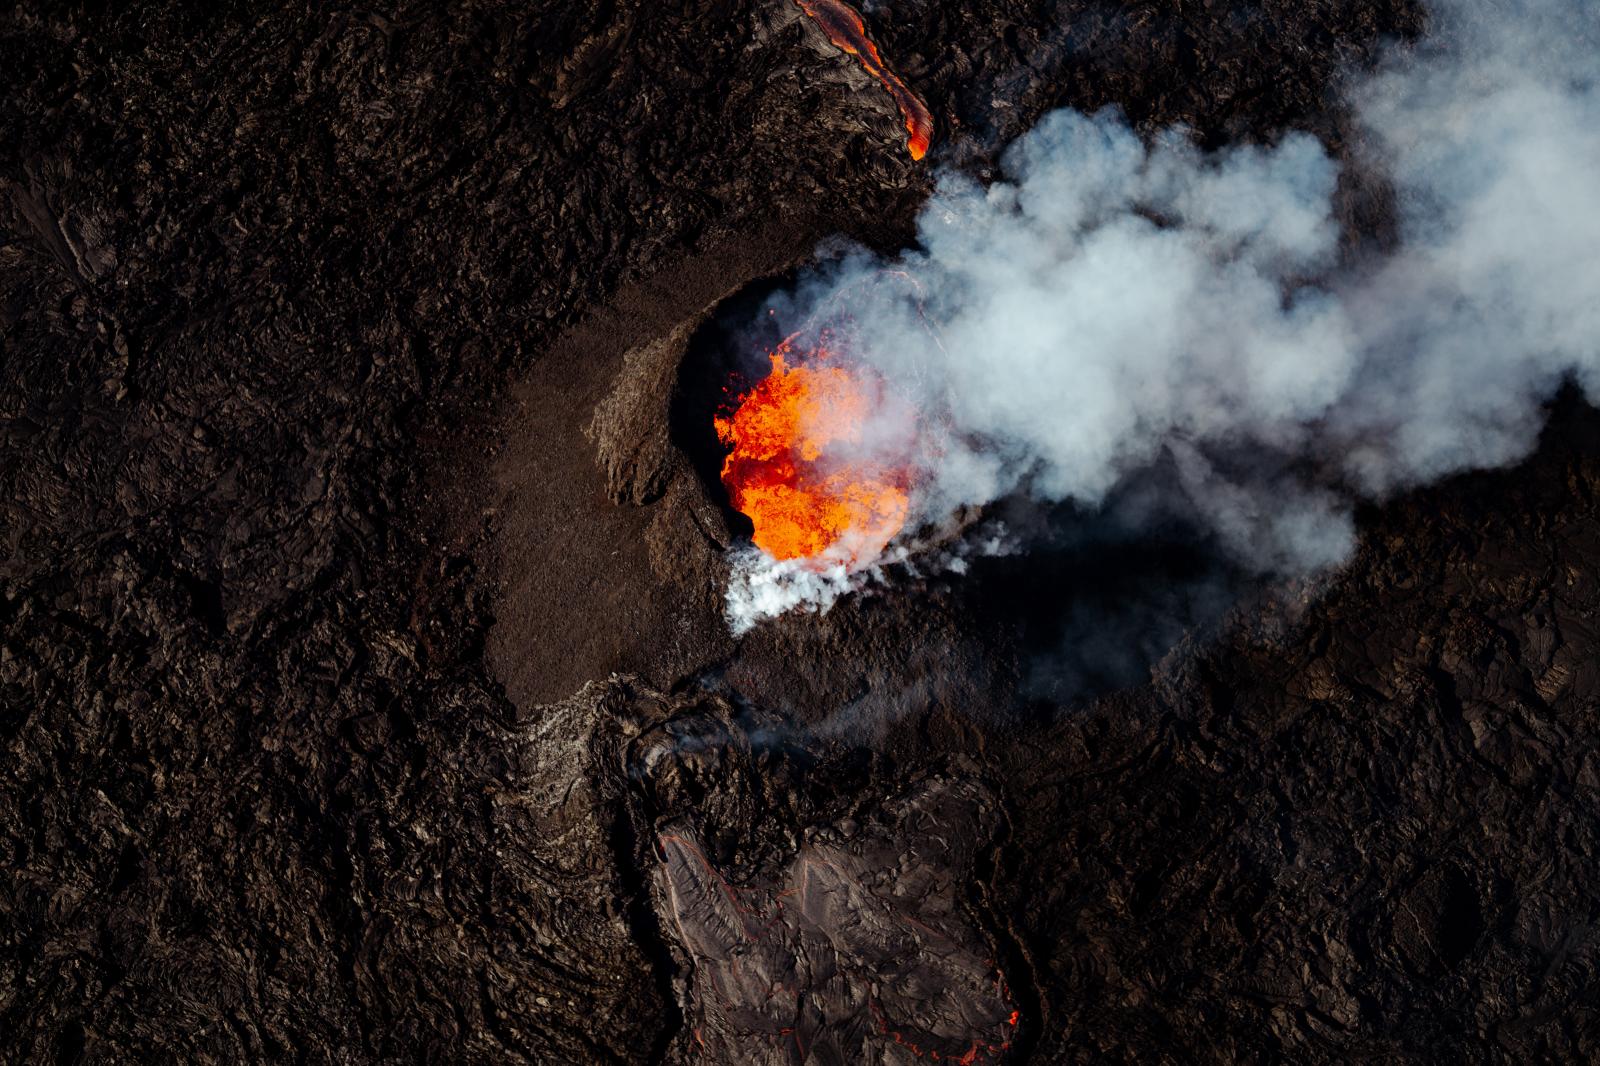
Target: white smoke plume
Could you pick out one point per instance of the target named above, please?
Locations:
(1115, 303)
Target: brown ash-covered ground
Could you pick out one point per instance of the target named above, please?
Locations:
(359, 617)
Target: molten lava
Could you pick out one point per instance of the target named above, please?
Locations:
(800, 468)
(848, 32)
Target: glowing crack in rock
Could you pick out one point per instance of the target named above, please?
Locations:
(847, 30)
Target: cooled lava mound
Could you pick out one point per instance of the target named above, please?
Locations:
(853, 954)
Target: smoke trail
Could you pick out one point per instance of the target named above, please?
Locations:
(1113, 305)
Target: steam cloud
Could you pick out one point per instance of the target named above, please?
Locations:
(1113, 305)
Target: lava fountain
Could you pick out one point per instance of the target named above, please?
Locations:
(806, 465)
(848, 32)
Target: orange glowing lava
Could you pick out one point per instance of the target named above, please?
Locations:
(848, 32)
(799, 467)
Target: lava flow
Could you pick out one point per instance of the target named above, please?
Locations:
(799, 467)
(848, 32)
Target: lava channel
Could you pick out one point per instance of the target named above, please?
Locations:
(803, 465)
(848, 32)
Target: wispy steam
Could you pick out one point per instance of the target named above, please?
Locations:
(1114, 304)
(760, 587)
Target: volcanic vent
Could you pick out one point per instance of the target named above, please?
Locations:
(799, 465)
(804, 443)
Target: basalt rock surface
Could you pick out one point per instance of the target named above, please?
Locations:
(364, 693)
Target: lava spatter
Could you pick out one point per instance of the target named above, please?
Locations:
(848, 32)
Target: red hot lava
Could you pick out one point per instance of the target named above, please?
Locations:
(848, 32)
(797, 467)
